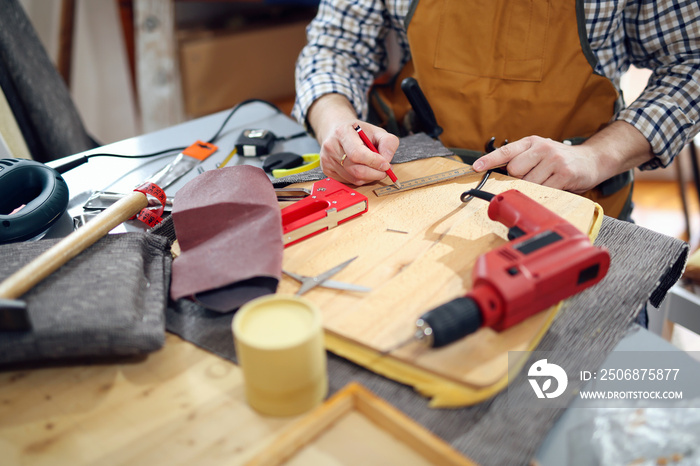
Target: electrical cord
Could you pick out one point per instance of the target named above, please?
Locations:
(293, 136)
(490, 147)
(81, 160)
(467, 196)
(234, 109)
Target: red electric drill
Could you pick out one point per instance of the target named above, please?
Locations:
(547, 260)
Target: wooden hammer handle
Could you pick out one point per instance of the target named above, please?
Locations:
(50, 260)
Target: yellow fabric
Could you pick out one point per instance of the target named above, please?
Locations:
(505, 70)
(443, 393)
(692, 267)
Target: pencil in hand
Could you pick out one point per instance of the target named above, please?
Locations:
(371, 147)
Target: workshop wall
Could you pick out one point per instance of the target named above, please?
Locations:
(221, 70)
(232, 51)
(224, 52)
(210, 33)
(100, 83)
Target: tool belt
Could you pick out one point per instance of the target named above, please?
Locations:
(614, 195)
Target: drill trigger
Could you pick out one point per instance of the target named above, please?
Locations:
(515, 232)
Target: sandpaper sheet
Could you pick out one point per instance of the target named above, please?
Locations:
(229, 229)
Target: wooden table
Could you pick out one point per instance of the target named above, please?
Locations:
(179, 405)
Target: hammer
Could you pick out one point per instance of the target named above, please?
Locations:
(13, 311)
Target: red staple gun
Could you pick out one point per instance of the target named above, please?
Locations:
(329, 204)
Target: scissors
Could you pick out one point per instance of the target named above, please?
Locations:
(309, 283)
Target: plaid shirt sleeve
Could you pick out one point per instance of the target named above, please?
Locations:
(345, 51)
(663, 36)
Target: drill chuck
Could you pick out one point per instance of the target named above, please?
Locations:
(450, 322)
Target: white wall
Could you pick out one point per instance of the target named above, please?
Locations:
(44, 15)
(100, 82)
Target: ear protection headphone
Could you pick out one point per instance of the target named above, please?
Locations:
(33, 197)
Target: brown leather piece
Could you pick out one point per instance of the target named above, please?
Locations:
(229, 227)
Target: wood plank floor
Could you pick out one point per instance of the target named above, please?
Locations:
(658, 206)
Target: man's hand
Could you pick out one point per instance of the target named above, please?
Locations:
(615, 149)
(344, 156)
(546, 162)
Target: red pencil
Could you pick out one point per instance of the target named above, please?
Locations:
(371, 147)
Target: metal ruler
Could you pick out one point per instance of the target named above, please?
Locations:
(424, 181)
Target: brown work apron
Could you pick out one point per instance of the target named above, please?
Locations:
(505, 69)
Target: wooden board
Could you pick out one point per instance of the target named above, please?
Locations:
(414, 272)
(181, 405)
(357, 427)
(157, 76)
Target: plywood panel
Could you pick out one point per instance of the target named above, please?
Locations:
(413, 272)
(158, 79)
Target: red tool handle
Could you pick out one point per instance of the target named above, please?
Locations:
(515, 210)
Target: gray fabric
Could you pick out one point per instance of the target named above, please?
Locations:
(36, 93)
(107, 301)
(414, 147)
(587, 328)
(644, 265)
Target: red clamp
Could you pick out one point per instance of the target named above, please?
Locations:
(329, 204)
(152, 216)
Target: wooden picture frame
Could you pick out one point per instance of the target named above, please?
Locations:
(351, 400)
